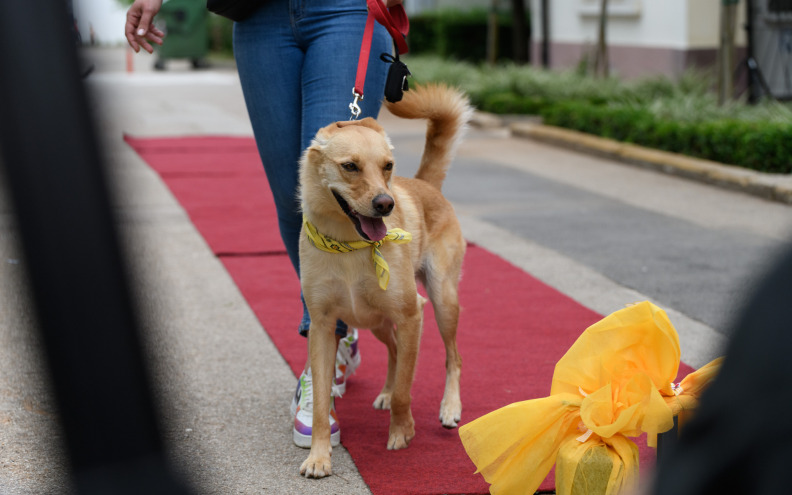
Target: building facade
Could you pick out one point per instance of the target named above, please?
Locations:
(644, 37)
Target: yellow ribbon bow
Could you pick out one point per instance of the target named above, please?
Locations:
(330, 245)
(612, 384)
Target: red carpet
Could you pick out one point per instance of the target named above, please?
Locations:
(512, 330)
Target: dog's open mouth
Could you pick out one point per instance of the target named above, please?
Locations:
(370, 228)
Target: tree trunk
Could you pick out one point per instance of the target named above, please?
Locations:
(545, 51)
(519, 32)
(601, 54)
(492, 33)
(726, 52)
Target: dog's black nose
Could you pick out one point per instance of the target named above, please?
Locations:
(383, 204)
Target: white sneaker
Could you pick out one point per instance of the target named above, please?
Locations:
(302, 411)
(347, 361)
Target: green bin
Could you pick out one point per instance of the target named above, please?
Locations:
(185, 23)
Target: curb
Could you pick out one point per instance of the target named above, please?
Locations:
(774, 187)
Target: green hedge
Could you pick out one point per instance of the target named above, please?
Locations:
(681, 116)
(460, 35)
(449, 33)
(758, 145)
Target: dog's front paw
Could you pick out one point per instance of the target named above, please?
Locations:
(383, 401)
(400, 437)
(450, 413)
(316, 466)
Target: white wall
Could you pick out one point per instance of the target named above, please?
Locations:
(676, 24)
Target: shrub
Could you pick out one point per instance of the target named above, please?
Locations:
(509, 103)
(460, 34)
(681, 117)
(759, 145)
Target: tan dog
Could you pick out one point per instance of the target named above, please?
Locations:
(350, 198)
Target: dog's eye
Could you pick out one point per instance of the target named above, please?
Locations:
(350, 166)
(389, 166)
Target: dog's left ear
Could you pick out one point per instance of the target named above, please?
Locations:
(367, 122)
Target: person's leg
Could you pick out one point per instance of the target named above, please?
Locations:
(297, 65)
(333, 30)
(269, 60)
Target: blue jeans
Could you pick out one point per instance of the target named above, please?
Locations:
(297, 61)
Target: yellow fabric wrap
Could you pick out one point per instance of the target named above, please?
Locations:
(596, 466)
(514, 447)
(330, 245)
(685, 400)
(613, 383)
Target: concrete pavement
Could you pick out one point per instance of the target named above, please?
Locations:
(225, 387)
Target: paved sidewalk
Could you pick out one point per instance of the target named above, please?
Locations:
(225, 386)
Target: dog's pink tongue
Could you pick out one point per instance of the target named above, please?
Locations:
(374, 228)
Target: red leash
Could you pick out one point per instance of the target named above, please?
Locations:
(395, 21)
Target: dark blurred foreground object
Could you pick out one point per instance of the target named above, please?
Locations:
(740, 440)
(72, 256)
(186, 26)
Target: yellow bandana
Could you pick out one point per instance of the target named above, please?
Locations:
(330, 245)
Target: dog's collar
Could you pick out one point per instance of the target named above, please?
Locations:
(330, 245)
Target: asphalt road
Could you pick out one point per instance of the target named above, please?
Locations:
(687, 246)
(601, 230)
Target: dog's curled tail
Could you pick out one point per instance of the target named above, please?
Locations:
(448, 111)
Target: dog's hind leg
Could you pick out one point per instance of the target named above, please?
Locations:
(442, 287)
(385, 334)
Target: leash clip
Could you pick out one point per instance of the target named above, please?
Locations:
(354, 107)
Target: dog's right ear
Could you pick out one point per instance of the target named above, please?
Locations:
(323, 136)
(315, 150)
(321, 139)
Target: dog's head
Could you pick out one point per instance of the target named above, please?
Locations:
(346, 172)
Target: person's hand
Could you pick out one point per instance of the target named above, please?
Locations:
(140, 29)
